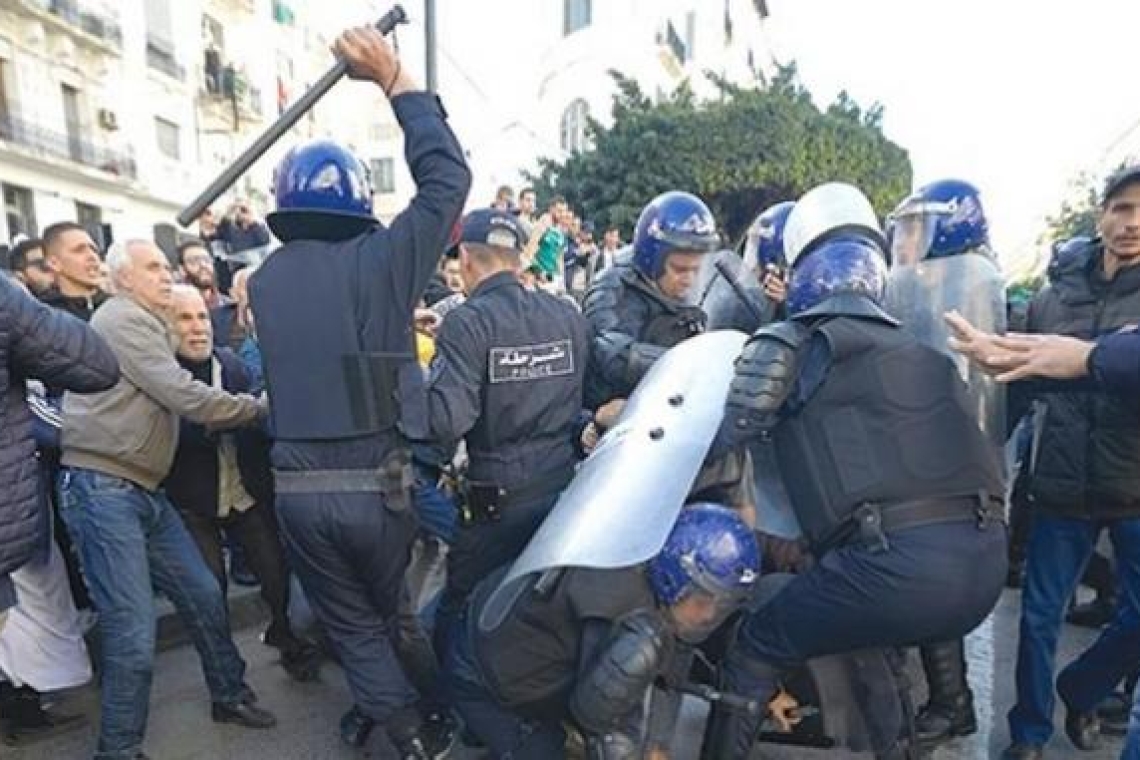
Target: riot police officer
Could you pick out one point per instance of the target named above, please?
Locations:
(757, 290)
(507, 377)
(897, 490)
(585, 644)
(334, 319)
(642, 306)
(941, 261)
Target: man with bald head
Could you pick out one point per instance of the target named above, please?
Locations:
(222, 481)
(118, 447)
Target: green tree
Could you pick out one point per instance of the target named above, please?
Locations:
(741, 152)
(1077, 216)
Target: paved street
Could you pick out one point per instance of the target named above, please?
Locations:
(180, 727)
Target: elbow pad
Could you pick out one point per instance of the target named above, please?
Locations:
(624, 670)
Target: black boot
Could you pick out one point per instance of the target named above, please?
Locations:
(731, 734)
(950, 710)
(25, 721)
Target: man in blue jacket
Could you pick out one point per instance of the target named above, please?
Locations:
(42, 343)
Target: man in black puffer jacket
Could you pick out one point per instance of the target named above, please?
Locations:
(38, 342)
(1086, 478)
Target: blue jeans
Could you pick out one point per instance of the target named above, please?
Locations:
(128, 539)
(1059, 548)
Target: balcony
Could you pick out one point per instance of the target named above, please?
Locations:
(227, 96)
(161, 59)
(86, 23)
(36, 138)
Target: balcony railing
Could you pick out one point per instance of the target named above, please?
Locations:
(227, 83)
(70, 147)
(163, 60)
(99, 24)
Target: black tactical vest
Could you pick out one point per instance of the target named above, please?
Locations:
(890, 423)
(338, 356)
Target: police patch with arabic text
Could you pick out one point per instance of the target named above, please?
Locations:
(523, 363)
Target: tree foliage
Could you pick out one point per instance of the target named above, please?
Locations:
(1077, 215)
(741, 152)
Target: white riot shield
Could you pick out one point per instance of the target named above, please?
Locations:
(622, 504)
(731, 295)
(919, 294)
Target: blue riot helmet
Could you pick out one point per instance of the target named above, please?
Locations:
(944, 218)
(834, 245)
(765, 246)
(710, 559)
(673, 222)
(1064, 253)
(322, 192)
(840, 265)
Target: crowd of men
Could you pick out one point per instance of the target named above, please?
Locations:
(426, 424)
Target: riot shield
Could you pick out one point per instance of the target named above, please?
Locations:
(919, 294)
(621, 505)
(731, 295)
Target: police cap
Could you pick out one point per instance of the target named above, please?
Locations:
(493, 227)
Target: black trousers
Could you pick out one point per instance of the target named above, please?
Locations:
(255, 530)
(350, 551)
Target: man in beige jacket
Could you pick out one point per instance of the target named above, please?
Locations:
(117, 447)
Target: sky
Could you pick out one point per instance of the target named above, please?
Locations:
(1018, 97)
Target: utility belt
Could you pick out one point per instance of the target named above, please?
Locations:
(484, 501)
(871, 524)
(393, 479)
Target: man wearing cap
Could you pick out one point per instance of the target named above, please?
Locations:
(1086, 479)
(507, 377)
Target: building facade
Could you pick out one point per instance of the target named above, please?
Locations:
(521, 78)
(115, 113)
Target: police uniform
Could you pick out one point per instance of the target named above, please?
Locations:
(507, 378)
(585, 644)
(633, 324)
(897, 490)
(333, 308)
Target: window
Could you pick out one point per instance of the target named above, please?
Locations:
(168, 137)
(691, 33)
(574, 120)
(575, 15)
(71, 122)
(383, 175)
(19, 211)
(675, 43)
(87, 215)
(5, 113)
(159, 26)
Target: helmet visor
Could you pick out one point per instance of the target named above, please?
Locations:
(911, 237)
(699, 613)
(710, 601)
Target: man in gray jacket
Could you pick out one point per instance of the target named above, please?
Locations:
(117, 448)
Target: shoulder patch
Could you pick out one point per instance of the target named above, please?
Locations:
(514, 364)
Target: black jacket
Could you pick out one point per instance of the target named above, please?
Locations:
(633, 325)
(38, 342)
(77, 306)
(1087, 460)
(507, 377)
(192, 484)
